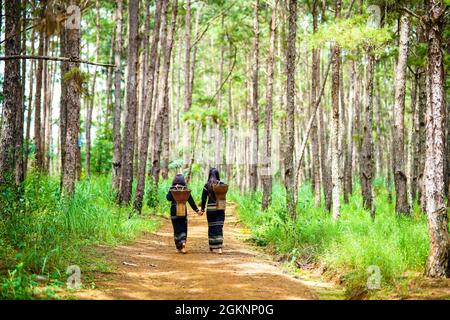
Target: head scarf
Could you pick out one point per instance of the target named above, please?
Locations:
(179, 180)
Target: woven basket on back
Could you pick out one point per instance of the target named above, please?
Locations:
(220, 190)
(181, 196)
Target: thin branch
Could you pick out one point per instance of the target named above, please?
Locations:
(226, 79)
(208, 24)
(412, 13)
(311, 120)
(63, 59)
(350, 10)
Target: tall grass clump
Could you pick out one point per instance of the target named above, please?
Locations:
(346, 248)
(47, 233)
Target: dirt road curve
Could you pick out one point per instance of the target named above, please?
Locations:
(150, 268)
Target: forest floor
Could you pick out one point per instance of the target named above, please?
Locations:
(150, 268)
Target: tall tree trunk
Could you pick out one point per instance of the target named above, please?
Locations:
(142, 81)
(290, 183)
(37, 105)
(117, 154)
(217, 130)
(348, 165)
(109, 85)
(45, 78)
(267, 172)
(126, 180)
(388, 90)
(148, 106)
(48, 117)
(254, 105)
(144, 66)
(191, 88)
(281, 48)
(20, 172)
(421, 109)
(160, 103)
(412, 152)
(187, 81)
(438, 263)
(229, 154)
(178, 105)
(166, 111)
(367, 158)
(398, 154)
(72, 108)
(378, 142)
(90, 105)
(335, 152)
(49, 137)
(324, 167)
(29, 107)
(12, 92)
(315, 91)
(63, 106)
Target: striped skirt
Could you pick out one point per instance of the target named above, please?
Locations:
(179, 230)
(216, 219)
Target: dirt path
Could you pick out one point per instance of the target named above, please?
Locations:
(150, 268)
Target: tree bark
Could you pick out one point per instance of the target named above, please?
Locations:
(324, 167)
(148, 106)
(401, 205)
(126, 180)
(367, 158)
(290, 183)
(20, 172)
(315, 91)
(72, 109)
(144, 66)
(335, 152)
(254, 106)
(166, 111)
(412, 152)
(109, 85)
(187, 81)
(90, 105)
(217, 130)
(63, 106)
(12, 91)
(142, 81)
(348, 165)
(45, 84)
(48, 118)
(161, 102)
(268, 121)
(29, 107)
(438, 262)
(117, 154)
(37, 106)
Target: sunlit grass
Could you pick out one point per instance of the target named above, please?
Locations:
(395, 244)
(49, 233)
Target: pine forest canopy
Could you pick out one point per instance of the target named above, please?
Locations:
(345, 96)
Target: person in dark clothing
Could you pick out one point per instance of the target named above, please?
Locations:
(180, 223)
(216, 218)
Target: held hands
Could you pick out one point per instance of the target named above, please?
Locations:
(200, 212)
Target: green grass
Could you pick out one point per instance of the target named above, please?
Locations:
(45, 234)
(345, 248)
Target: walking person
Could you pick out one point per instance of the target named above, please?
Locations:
(215, 217)
(180, 223)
